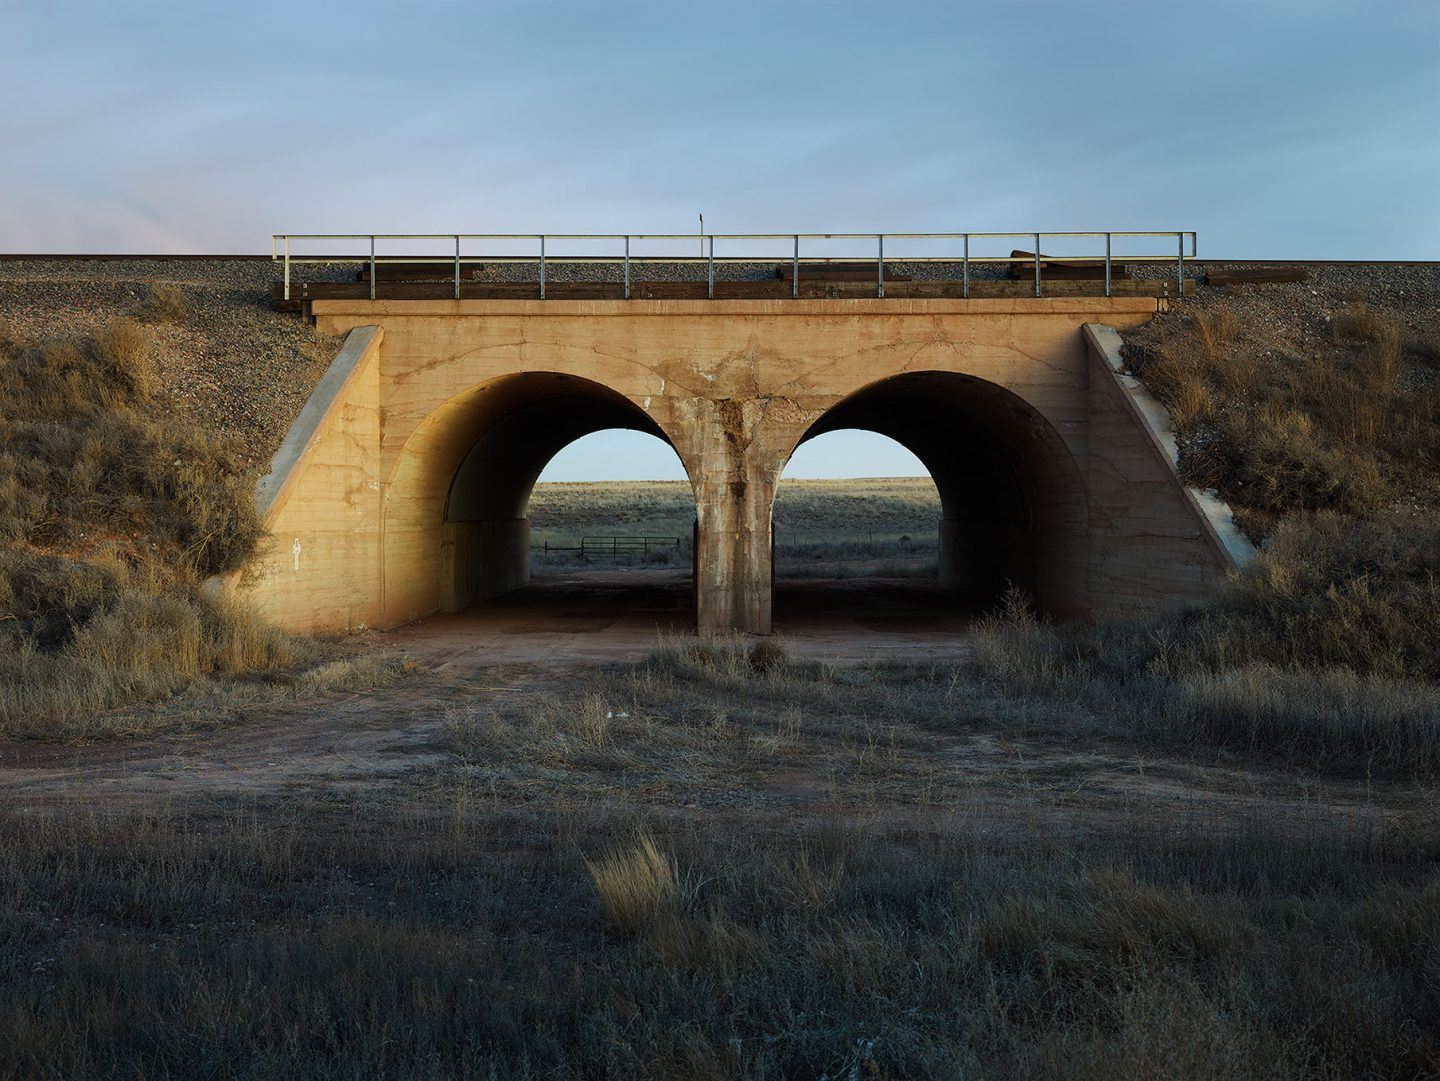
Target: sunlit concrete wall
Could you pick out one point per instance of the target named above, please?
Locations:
(321, 503)
(734, 386)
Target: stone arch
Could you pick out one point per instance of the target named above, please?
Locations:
(454, 513)
(1012, 496)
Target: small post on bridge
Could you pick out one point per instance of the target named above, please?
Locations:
(965, 270)
(1037, 264)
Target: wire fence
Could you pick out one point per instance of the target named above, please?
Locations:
(614, 545)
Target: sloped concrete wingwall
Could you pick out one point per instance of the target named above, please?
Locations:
(1155, 542)
(321, 503)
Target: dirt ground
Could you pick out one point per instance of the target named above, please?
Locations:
(392, 746)
(545, 634)
(393, 743)
(617, 615)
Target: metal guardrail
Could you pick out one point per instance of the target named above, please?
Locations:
(281, 250)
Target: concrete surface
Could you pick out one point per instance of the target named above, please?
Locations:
(1211, 512)
(409, 496)
(621, 615)
(329, 395)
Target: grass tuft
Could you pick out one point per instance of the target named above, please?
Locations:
(162, 303)
(637, 884)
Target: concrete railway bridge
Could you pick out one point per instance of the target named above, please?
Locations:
(402, 488)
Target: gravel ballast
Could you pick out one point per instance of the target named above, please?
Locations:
(229, 361)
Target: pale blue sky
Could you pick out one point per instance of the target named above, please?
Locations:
(834, 454)
(1274, 129)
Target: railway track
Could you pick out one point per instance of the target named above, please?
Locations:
(398, 281)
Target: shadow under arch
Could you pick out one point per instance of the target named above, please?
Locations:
(1013, 504)
(455, 527)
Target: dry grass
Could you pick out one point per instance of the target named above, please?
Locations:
(637, 884)
(162, 303)
(341, 940)
(1324, 653)
(110, 520)
(1348, 422)
(723, 862)
(87, 463)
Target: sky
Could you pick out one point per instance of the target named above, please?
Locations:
(1274, 129)
(646, 457)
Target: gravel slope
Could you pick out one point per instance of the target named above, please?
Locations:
(230, 362)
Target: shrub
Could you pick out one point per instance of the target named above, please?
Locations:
(162, 304)
(1325, 650)
(1332, 592)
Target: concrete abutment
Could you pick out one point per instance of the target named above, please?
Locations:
(405, 486)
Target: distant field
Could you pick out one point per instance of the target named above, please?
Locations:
(821, 526)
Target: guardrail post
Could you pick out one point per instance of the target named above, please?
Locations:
(627, 268)
(1037, 264)
(795, 270)
(880, 266)
(542, 267)
(1180, 266)
(710, 270)
(287, 268)
(965, 270)
(457, 266)
(1107, 265)
(372, 267)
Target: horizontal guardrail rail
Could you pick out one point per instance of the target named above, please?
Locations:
(282, 250)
